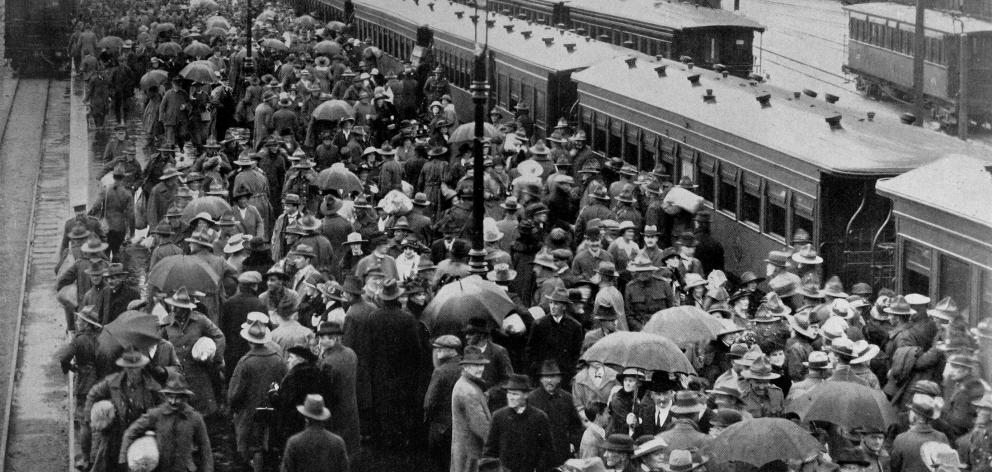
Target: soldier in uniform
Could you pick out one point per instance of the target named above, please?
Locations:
(436, 86)
(302, 180)
(760, 397)
(164, 243)
(132, 169)
(116, 205)
(81, 218)
(646, 294)
(976, 446)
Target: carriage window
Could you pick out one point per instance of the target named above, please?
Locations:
(668, 149)
(616, 140)
(916, 268)
(599, 135)
(727, 196)
(775, 205)
(706, 178)
(986, 298)
(503, 92)
(585, 123)
(751, 200)
(955, 281)
(687, 163)
(631, 145)
(540, 108)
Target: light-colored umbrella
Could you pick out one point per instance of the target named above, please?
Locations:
(639, 350)
(684, 324)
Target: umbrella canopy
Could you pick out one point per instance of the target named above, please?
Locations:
(339, 177)
(462, 300)
(333, 110)
(110, 42)
(214, 31)
(199, 71)
(153, 78)
(162, 27)
(132, 328)
(846, 404)
(203, 4)
(759, 441)
(466, 132)
(218, 22)
(197, 49)
(684, 324)
(335, 26)
(172, 272)
(214, 205)
(266, 15)
(639, 350)
(305, 20)
(240, 54)
(371, 52)
(169, 48)
(273, 43)
(327, 48)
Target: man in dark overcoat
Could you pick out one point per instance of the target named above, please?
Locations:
(437, 401)
(234, 312)
(315, 449)
(338, 366)
(566, 426)
(260, 367)
(520, 436)
(557, 337)
(905, 452)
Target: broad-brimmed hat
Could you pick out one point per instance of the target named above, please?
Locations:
(818, 360)
(693, 279)
(115, 269)
(803, 323)
(864, 352)
(777, 258)
(727, 391)
(257, 333)
(984, 402)
(97, 267)
(946, 309)
(93, 245)
(559, 295)
(227, 219)
(177, 385)
(163, 228)
(965, 359)
(681, 460)
(276, 271)
(236, 243)
(619, 443)
(760, 369)
(545, 260)
(807, 255)
(181, 298)
(517, 382)
(169, 172)
(473, 356)
(420, 199)
(313, 408)
(391, 289)
(834, 288)
(132, 359)
(603, 311)
(600, 194)
(501, 273)
(650, 230)
(78, 232)
(303, 250)
(303, 352)
(354, 238)
(631, 372)
(607, 268)
(748, 277)
(549, 368)
(650, 447)
(687, 402)
(447, 341)
(771, 309)
(899, 306)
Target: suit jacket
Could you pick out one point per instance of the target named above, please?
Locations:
(250, 224)
(439, 251)
(315, 449)
(499, 367)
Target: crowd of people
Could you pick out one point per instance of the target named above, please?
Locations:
(340, 203)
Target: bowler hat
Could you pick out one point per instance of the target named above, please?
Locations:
(619, 443)
(302, 352)
(330, 328)
(313, 408)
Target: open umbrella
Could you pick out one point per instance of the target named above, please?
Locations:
(759, 441)
(333, 110)
(199, 71)
(273, 43)
(110, 42)
(639, 350)
(462, 300)
(132, 328)
(197, 49)
(240, 54)
(203, 4)
(327, 48)
(305, 20)
(218, 22)
(172, 272)
(339, 177)
(266, 15)
(372, 52)
(214, 32)
(684, 324)
(335, 26)
(215, 206)
(153, 78)
(846, 404)
(466, 132)
(169, 48)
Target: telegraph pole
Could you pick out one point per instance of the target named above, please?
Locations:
(480, 95)
(919, 52)
(963, 55)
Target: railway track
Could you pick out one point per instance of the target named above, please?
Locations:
(35, 425)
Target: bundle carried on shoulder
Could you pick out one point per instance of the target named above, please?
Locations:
(204, 349)
(396, 203)
(680, 198)
(142, 456)
(102, 415)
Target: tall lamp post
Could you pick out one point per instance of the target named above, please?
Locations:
(480, 95)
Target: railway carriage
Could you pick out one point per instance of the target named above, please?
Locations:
(768, 161)
(37, 36)
(880, 53)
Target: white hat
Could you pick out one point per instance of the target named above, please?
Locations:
(917, 299)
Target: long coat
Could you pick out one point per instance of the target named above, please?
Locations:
(183, 443)
(470, 422)
(303, 379)
(116, 204)
(566, 427)
(255, 372)
(253, 181)
(233, 312)
(162, 195)
(338, 368)
(521, 441)
(315, 449)
(200, 375)
(127, 408)
(437, 402)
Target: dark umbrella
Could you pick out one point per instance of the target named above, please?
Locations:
(215, 206)
(639, 350)
(846, 404)
(169, 48)
(132, 328)
(327, 48)
(759, 441)
(684, 324)
(273, 43)
(153, 78)
(172, 272)
(340, 178)
(333, 110)
(110, 42)
(466, 132)
(200, 72)
(197, 49)
(465, 299)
